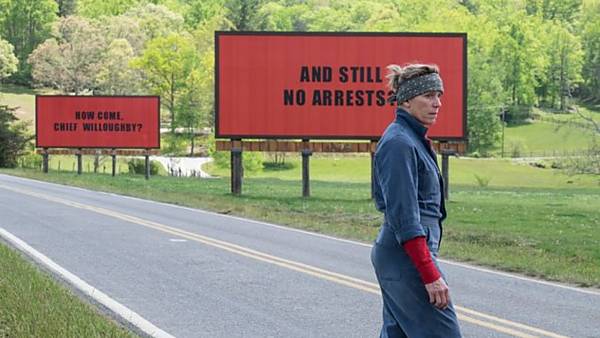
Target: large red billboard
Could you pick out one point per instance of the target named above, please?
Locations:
(328, 85)
(97, 121)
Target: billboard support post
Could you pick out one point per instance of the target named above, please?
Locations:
(236, 167)
(147, 162)
(306, 153)
(372, 147)
(79, 162)
(113, 155)
(45, 160)
(445, 169)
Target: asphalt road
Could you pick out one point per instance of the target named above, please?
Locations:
(198, 274)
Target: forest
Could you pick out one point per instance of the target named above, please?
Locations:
(521, 53)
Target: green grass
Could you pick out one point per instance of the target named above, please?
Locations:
(34, 305)
(545, 139)
(515, 223)
(21, 97)
(502, 173)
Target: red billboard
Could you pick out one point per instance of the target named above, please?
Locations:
(97, 121)
(328, 85)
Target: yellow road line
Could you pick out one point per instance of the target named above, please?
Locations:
(464, 314)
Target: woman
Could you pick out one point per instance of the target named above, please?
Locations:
(408, 190)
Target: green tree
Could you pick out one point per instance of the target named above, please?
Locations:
(13, 137)
(167, 63)
(70, 60)
(565, 11)
(25, 24)
(115, 76)
(243, 13)
(564, 68)
(590, 37)
(199, 11)
(95, 9)
(8, 60)
(127, 28)
(156, 20)
(66, 7)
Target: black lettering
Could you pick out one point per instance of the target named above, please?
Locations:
(84, 115)
(339, 98)
(343, 74)
(359, 98)
(327, 97)
(316, 100)
(288, 97)
(291, 98)
(304, 77)
(378, 78)
(349, 98)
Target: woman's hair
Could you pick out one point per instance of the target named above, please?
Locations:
(398, 74)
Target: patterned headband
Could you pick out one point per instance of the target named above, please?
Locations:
(418, 85)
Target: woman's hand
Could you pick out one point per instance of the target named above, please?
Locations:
(439, 294)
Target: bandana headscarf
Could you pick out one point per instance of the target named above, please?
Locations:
(418, 85)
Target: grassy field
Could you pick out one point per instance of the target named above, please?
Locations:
(34, 305)
(499, 173)
(545, 139)
(535, 221)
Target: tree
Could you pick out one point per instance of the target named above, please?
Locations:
(95, 9)
(13, 137)
(243, 13)
(70, 60)
(167, 63)
(200, 11)
(66, 7)
(25, 24)
(564, 69)
(115, 76)
(8, 61)
(590, 38)
(156, 20)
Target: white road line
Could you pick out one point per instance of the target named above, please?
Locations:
(116, 307)
(462, 265)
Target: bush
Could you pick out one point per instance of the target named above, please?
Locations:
(14, 137)
(138, 166)
(482, 181)
(31, 160)
(251, 161)
(174, 145)
(516, 148)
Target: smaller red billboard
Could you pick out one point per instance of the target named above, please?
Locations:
(97, 121)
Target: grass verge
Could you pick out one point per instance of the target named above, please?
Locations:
(32, 304)
(552, 233)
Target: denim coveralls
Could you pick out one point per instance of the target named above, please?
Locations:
(408, 190)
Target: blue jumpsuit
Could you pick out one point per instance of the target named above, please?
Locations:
(408, 190)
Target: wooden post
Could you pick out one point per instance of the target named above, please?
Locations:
(445, 170)
(147, 156)
(236, 167)
(45, 161)
(306, 153)
(114, 161)
(79, 161)
(372, 147)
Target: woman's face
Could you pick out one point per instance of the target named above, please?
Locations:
(424, 107)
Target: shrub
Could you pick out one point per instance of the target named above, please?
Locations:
(138, 166)
(482, 181)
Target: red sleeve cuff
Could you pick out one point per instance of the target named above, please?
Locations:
(419, 254)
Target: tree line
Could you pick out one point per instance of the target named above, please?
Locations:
(521, 53)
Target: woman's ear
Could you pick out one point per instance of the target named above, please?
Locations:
(405, 104)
